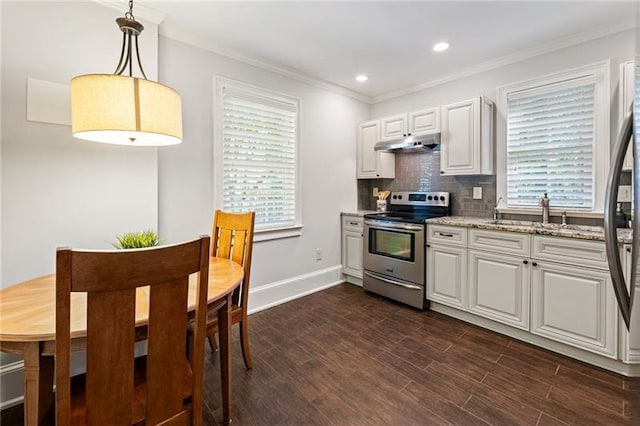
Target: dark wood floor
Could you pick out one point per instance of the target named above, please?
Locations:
(346, 357)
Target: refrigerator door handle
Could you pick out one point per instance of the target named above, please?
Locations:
(610, 233)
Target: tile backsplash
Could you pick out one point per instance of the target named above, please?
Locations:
(420, 171)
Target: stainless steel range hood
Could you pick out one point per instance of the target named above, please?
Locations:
(410, 143)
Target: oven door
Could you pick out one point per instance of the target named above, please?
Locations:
(395, 250)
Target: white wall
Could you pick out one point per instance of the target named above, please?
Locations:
(57, 190)
(327, 165)
(618, 48)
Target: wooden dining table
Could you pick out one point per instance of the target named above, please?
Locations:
(27, 328)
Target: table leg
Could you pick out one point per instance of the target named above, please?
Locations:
(224, 330)
(38, 386)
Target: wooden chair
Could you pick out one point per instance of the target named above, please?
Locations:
(232, 238)
(165, 387)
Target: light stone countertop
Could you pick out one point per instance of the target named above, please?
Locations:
(554, 229)
(358, 213)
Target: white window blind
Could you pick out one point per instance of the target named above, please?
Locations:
(259, 156)
(551, 145)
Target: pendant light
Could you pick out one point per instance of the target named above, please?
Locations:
(125, 110)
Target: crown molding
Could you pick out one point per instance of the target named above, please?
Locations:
(538, 50)
(141, 11)
(203, 43)
(195, 40)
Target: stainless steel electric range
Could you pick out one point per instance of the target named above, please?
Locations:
(394, 246)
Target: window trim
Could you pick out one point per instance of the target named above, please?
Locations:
(600, 71)
(220, 82)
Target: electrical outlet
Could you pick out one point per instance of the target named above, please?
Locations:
(624, 194)
(477, 193)
(318, 254)
(375, 191)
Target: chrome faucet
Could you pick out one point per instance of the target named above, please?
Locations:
(544, 203)
(496, 212)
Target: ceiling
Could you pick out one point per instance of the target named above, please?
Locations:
(391, 42)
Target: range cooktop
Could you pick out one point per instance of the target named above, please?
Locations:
(414, 207)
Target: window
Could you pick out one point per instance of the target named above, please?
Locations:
(256, 156)
(553, 137)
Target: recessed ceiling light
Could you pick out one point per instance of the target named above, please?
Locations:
(361, 78)
(440, 47)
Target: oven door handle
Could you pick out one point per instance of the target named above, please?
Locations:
(389, 225)
(394, 282)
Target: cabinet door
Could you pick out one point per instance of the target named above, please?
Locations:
(352, 253)
(393, 127)
(424, 121)
(372, 164)
(499, 287)
(447, 275)
(627, 94)
(368, 136)
(631, 338)
(460, 145)
(575, 306)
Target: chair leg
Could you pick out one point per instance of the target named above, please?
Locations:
(244, 343)
(212, 342)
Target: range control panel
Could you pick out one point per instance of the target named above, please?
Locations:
(420, 198)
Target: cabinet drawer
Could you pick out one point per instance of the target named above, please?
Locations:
(352, 223)
(591, 254)
(451, 235)
(510, 243)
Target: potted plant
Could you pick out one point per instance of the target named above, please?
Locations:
(139, 239)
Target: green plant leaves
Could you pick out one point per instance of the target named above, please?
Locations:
(140, 239)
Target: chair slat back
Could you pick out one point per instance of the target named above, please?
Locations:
(110, 279)
(233, 239)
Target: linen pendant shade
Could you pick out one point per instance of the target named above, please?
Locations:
(125, 110)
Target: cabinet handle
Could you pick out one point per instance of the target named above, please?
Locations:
(441, 172)
(628, 249)
(445, 235)
(428, 245)
(534, 263)
(526, 262)
(377, 175)
(353, 223)
(408, 134)
(404, 135)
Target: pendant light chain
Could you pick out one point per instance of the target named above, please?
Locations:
(129, 14)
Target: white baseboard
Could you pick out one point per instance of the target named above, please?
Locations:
(263, 297)
(11, 384)
(270, 295)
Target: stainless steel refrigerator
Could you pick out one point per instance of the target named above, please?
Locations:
(626, 290)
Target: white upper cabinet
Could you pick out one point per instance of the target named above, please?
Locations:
(373, 164)
(627, 88)
(424, 121)
(467, 138)
(393, 127)
(414, 123)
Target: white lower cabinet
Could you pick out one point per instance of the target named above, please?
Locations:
(352, 228)
(631, 338)
(447, 275)
(554, 287)
(499, 287)
(575, 306)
